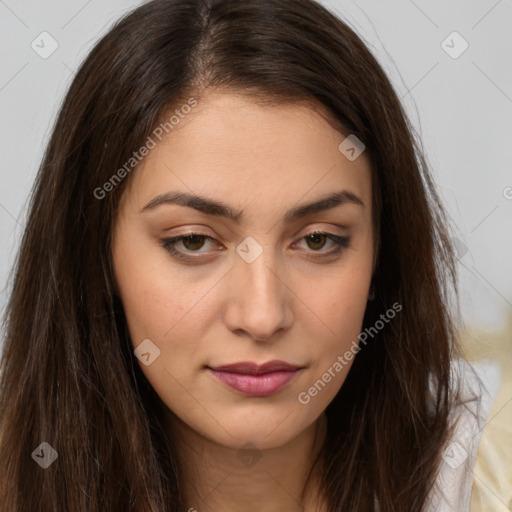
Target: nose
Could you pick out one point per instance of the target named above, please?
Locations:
(260, 299)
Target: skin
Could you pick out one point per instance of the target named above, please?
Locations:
(219, 309)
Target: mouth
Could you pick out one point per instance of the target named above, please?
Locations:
(255, 380)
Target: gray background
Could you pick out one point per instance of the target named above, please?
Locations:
(461, 107)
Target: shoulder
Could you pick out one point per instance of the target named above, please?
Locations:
(478, 384)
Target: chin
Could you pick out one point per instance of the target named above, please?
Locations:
(262, 431)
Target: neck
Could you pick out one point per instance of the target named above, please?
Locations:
(217, 478)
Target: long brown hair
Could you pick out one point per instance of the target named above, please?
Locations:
(68, 374)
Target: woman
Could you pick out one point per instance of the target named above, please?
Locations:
(302, 361)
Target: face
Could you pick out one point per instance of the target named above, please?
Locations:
(247, 280)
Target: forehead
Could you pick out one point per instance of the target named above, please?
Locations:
(233, 148)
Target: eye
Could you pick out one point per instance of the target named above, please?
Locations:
(317, 240)
(193, 242)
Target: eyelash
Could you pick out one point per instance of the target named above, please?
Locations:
(341, 243)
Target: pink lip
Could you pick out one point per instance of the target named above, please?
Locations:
(253, 380)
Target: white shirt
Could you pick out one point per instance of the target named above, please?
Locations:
(453, 485)
(451, 491)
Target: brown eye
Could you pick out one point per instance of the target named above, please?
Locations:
(193, 242)
(317, 240)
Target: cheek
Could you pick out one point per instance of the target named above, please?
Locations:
(154, 296)
(334, 351)
(162, 305)
(339, 304)
(339, 307)
(340, 297)
(160, 318)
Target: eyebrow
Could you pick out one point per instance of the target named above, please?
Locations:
(220, 209)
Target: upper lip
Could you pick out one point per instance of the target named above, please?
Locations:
(250, 368)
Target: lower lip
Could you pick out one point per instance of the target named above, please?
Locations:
(255, 385)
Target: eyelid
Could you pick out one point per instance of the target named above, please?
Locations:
(170, 242)
(341, 243)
